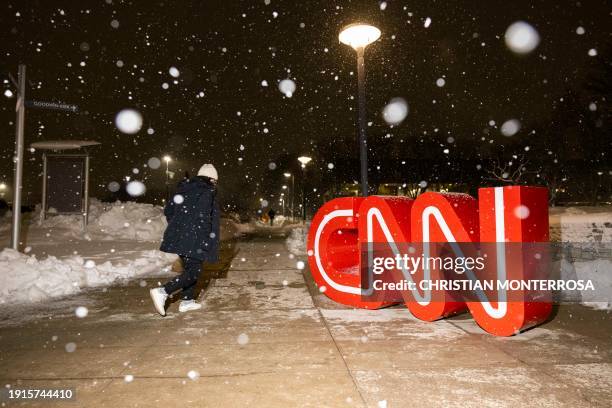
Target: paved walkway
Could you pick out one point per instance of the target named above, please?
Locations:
(267, 338)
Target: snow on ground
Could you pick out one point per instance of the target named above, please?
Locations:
(119, 244)
(26, 279)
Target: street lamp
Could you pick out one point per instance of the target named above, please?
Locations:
(304, 160)
(359, 36)
(167, 159)
(282, 201)
(287, 175)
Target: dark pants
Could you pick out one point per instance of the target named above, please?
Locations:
(271, 221)
(186, 280)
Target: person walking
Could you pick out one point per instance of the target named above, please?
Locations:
(271, 214)
(192, 233)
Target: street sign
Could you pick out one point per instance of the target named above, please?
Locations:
(51, 105)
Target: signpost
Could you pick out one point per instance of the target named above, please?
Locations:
(51, 106)
(20, 84)
(20, 108)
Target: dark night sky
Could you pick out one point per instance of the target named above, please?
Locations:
(225, 49)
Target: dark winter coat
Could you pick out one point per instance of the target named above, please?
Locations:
(193, 221)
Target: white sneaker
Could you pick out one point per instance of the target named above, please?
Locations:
(159, 296)
(187, 305)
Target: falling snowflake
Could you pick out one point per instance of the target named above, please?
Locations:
(521, 212)
(287, 86)
(135, 188)
(174, 72)
(521, 37)
(154, 163)
(128, 121)
(395, 111)
(243, 339)
(510, 127)
(81, 312)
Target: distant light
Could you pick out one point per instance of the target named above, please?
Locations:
(167, 159)
(359, 35)
(287, 175)
(8, 93)
(2, 186)
(304, 160)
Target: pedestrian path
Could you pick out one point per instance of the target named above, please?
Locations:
(266, 337)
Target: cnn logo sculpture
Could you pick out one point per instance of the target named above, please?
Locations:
(513, 214)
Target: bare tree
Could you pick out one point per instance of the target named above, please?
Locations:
(508, 171)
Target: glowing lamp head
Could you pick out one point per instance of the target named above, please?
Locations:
(167, 159)
(359, 35)
(304, 160)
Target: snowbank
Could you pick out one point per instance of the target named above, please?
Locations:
(296, 241)
(586, 237)
(600, 272)
(27, 279)
(123, 220)
(109, 221)
(581, 224)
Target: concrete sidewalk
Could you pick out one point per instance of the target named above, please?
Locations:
(266, 337)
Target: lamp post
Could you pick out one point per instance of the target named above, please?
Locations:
(359, 36)
(287, 175)
(304, 160)
(167, 159)
(282, 202)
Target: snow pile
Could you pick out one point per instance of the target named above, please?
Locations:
(581, 224)
(26, 279)
(124, 220)
(130, 220)
(108, 221)
(586, 234)
(296, 241)
(600, 272)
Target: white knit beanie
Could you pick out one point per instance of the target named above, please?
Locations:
(208, 170)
